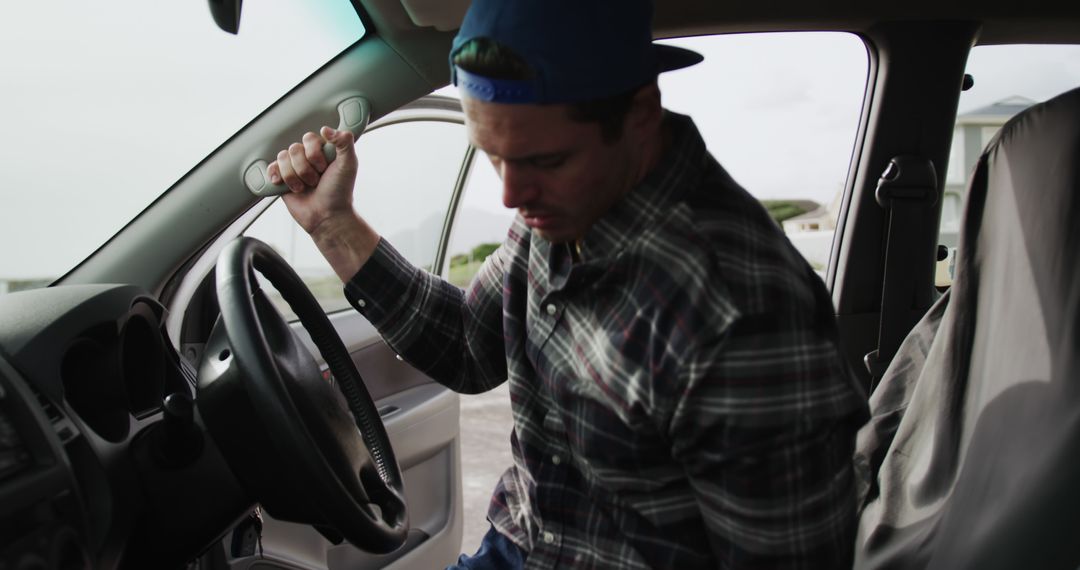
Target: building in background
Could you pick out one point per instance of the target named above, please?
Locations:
(819, 218)
(812, 231)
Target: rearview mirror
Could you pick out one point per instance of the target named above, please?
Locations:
(226, 14)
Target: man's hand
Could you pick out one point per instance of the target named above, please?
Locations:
(318, 191)
(320, 198)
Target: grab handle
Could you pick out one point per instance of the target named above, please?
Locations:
(353, 116)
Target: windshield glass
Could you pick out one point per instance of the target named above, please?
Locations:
(107, 104)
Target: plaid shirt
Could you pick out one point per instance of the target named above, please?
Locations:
(679, 396)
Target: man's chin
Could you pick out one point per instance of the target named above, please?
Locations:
(553, 229)
(554, 237)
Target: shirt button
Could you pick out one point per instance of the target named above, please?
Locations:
(551, 309)
(361, 303)
(556, 459)
(549, 537)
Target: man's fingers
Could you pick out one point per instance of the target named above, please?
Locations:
(301, 165)
(342, 140)
(313, 144)
(304, 170)
(288, 175)
(272, 172)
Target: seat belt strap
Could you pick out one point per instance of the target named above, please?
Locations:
(906, 187)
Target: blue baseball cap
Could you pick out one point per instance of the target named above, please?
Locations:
(578, 50)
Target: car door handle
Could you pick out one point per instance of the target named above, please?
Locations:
(387, 411)
(353, 115)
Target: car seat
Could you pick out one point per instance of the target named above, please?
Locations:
(972, 456)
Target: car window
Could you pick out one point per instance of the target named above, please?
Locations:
(1006, 80)
(405, 181)
(110, 113)
(779, 111)
(480, 225)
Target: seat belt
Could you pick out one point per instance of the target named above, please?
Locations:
(906, 187)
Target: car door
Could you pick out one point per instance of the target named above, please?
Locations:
(412, 164)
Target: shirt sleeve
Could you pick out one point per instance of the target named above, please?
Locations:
(763, 430)
(454, 336)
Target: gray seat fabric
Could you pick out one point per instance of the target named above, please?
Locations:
(972, 456)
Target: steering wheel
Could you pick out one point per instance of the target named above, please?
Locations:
(306, 450)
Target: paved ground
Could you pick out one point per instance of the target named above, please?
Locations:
(485, 454)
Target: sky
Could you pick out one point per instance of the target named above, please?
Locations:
(98, 117)
(105, 108)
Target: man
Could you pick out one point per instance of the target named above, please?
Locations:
(679, 396)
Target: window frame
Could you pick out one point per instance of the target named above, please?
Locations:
(441, 109)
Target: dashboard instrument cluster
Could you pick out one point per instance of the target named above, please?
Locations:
(83, 372)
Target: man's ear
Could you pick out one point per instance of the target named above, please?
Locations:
(646, 113)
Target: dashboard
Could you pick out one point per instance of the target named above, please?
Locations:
(94, 472)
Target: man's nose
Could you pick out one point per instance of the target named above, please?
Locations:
(519, 189)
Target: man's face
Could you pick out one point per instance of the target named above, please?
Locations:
(559, 174)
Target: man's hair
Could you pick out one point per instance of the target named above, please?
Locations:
(493, 60)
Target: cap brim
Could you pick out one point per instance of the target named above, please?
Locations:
(670, 58)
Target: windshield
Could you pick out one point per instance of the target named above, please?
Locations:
(107, 104)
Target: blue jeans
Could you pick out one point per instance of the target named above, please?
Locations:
(496, 553)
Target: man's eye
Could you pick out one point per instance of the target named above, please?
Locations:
(549, 162)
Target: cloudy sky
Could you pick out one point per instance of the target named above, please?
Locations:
(99, 116)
